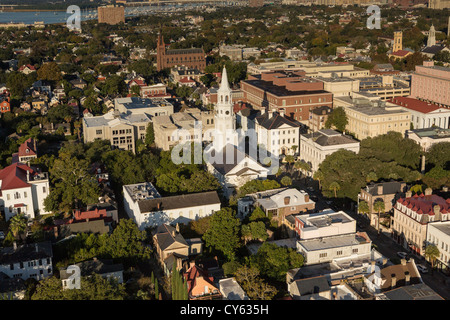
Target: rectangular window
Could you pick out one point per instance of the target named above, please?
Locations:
(98, 132)
(322, 255)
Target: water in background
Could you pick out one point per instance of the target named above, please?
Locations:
(49, 17)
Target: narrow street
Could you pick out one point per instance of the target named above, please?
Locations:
(384, 244)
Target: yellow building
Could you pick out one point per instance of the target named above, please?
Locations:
(376, 118)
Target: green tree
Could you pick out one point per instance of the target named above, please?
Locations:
(150, 135)
(337, 119)
(286, 181)
(92, 287)
(335, 186)
(49, 71)
(223, 234)
(255, 287)
(372, 176)
(318, 175)
(432, 254)
(73, 183)
(18, 224)
(379, 207)
(363, 207)
(439, 155)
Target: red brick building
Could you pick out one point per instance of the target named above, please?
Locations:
(192, 57)
(291, 91)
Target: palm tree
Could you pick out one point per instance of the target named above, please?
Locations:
(318, 175)
(290, 160)
(363, 207)
(432, 253)
(378, 206)
(18, 224)
(294, 148)
(335, 187)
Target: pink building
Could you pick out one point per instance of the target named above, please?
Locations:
(431, 83)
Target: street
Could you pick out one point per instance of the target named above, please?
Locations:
(384, 244)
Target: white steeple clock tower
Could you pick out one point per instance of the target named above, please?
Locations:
(225, 120)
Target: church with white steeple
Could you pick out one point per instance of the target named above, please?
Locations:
(224, 117)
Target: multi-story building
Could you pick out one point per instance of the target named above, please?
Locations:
(276, 203)
(293, 92)
(147, 208)
(149, 106)
(23, 190)
(318, 117)
(177, 74)
(180, 127)
(340, 86)
(158, 90)
(431, 83)
(111, 14)
(373, 118)
(333, 244)
(32, 260)
(412, 215)
(384, 87)
(278, 134)
(424, 114)
(316, 146)
(27, 151)
(438, 234)
(428, 136)
(193, 57)
(122, 130)
(233, 52)
(385, 191)
(323, 224)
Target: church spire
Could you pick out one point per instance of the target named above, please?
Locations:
(224, 85)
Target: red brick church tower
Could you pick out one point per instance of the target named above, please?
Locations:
(192, 57)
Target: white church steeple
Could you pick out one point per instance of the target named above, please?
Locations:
(431, 37)
(225, 122)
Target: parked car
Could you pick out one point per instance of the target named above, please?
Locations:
(422, 268)
(402, 255)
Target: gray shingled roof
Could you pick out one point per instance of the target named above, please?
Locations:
(177, 202)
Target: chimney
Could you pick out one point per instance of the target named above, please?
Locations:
(393, 281)
(282, 112)
(437, 210)
(403, 261)
(158, 205)
(408, 194)
(407, 277)
(380, 189)
(428, 192)
(384, 261)
(177, 228)
(287, 200)
(306, 197)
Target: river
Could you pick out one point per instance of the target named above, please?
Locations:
(51, 17)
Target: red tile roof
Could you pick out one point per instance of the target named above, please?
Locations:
(15, 176)
(424, 204)
(401, 53)
(27, 145)
(414, 104)
(94, 214)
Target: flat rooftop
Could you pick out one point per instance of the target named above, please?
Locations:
(281, 91)
(142, 191)
(332, 242)
(433, 133)
(374, 111)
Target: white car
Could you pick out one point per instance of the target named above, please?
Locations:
(422, 268)
(402, 255)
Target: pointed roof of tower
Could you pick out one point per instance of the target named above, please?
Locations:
(224, 85)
